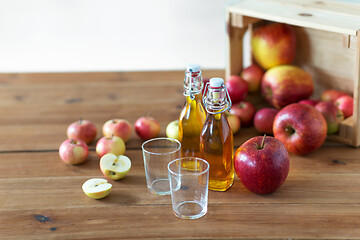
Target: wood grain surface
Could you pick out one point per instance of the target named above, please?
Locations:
(41, 197)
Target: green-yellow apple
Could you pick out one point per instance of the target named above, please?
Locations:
(115, 167)
(117, 127)
(172, 130)
(332, 114)
(252, 75)
(83, 130)
(234, 122)
(96, 188)
(147, 127)
(113, 144)
(73, 151)
(273, 44)
(286, 84)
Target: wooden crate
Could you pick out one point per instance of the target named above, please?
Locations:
(328, 45)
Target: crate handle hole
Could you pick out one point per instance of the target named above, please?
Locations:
(305, 14)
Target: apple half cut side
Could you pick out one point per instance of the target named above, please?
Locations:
(115, 167)
(96, 188)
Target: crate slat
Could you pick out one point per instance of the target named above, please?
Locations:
(339, 18)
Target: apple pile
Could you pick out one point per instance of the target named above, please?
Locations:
(110, 148)
(283, 85)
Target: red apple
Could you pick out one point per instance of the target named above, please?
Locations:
(264, 119)
(245, 111)
(237, 88)
(147, 128)
(332, 115)
(113, 144)
(346, 105)
(286, 84)
(234, 122)
(331, 95)
(311, 102)
(118, 127)
(83, 130)
(252, 75)
(300, 127)
(73, 151)
(273, 44)
(262, 164)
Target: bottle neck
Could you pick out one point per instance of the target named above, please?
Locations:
(195, 98)
(193, 84)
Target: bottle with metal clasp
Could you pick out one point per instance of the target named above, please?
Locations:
(216, 139)
(193, 115)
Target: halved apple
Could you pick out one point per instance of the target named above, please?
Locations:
(115, 167)
(96, 188)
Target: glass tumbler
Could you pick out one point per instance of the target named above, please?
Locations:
(189, 187)
(157, 154)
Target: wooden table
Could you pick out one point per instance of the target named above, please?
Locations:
(41, 197)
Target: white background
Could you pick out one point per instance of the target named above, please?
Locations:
(110, 35)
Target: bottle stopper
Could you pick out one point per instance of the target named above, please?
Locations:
(216, 82)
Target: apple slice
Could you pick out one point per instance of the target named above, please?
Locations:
(115, 167)
(96, 188)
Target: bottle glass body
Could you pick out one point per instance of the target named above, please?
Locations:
(191, 122)
(217, 147)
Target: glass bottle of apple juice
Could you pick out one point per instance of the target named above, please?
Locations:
(216, 139)
(192, 117)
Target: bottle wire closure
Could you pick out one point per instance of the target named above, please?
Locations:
(216, 98)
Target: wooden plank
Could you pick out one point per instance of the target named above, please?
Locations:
(338, 221)
(356, 114)
(322, 55)
(330, 6)
(234, 47)
(299, 15)
(242, 21)
(41, 180)
(39, 107)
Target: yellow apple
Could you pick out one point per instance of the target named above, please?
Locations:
(115, 167)
(234, 122)
(273, 45)
(96, 188)
(172, 130)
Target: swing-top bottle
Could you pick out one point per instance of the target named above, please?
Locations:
(216, 140)
(193, 115)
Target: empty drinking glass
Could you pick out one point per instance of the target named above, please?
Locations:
(189, 187)
(157, 153)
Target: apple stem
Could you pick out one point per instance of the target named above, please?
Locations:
(289, 130)
(80, 120)
(263, 142)
(72, 141)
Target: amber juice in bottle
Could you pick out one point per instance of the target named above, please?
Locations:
(216, 139)
(193, 115)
